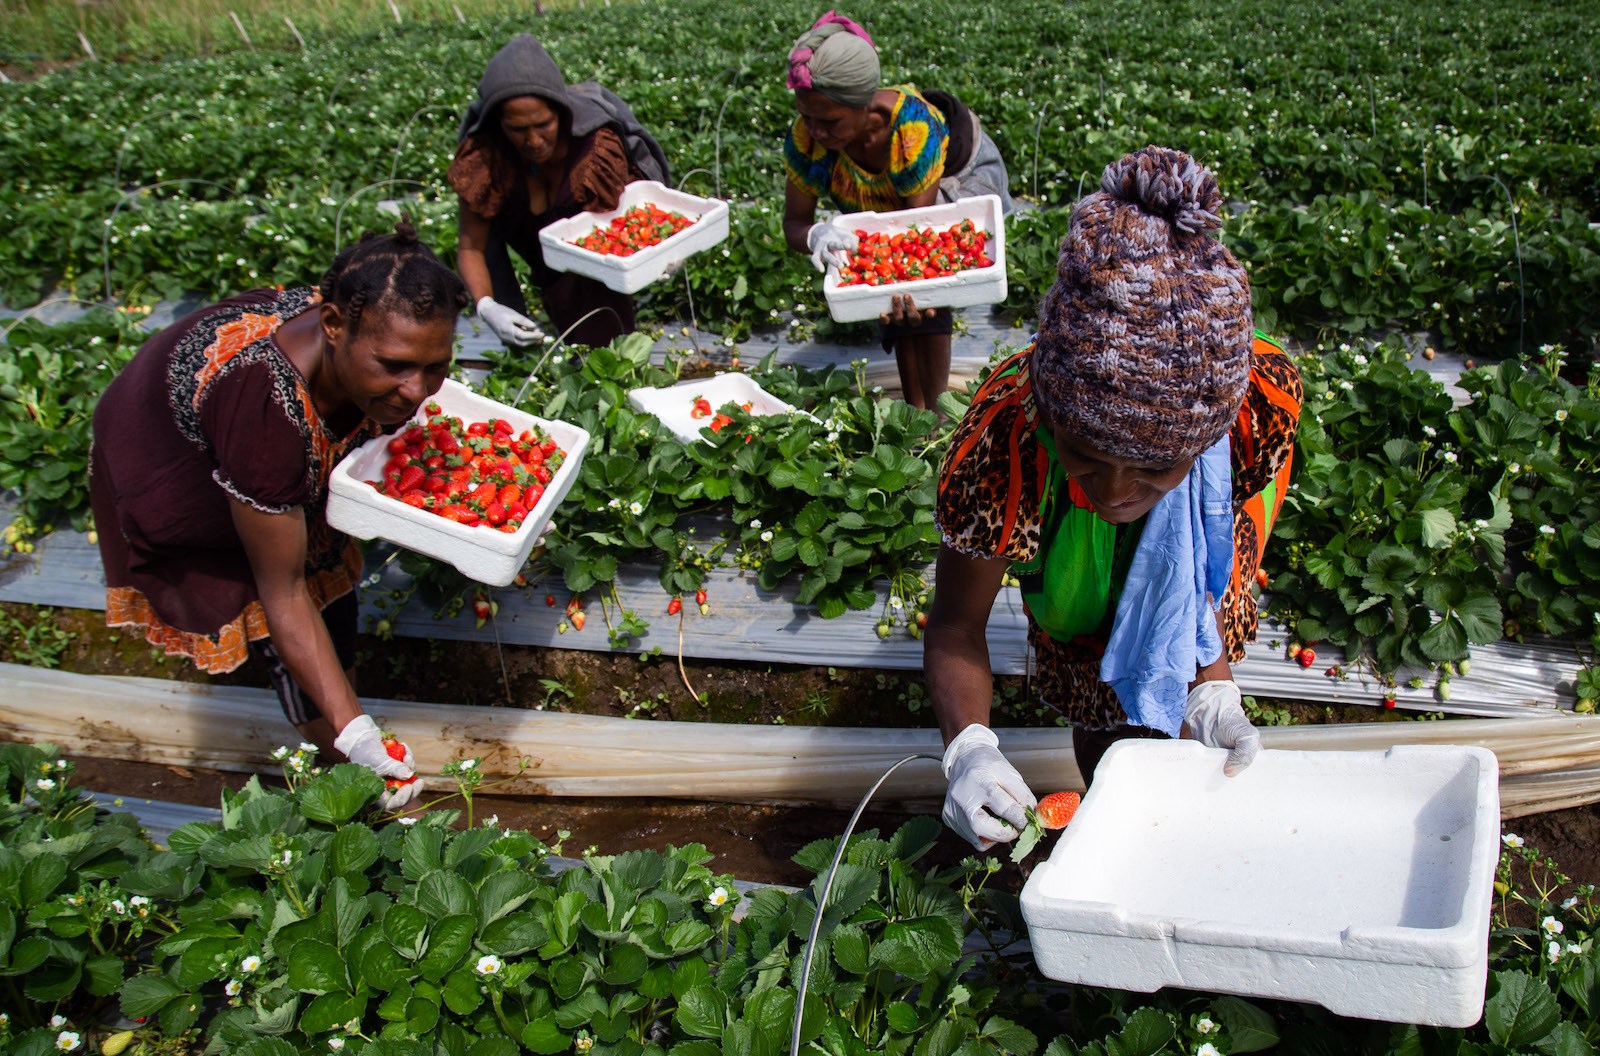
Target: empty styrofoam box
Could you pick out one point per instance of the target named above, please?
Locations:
(850, 304)
(673, 405)
(489, 556)
(1361, 881)
(633, 273)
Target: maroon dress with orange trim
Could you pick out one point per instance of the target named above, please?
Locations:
(210, 410)
(991, 491)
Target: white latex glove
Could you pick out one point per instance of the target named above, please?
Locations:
(362, 743)
(985, 791)
(830, 246)
(508, 324)
(1216, 718)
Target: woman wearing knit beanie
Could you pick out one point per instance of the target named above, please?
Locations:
(876, 149)
(1126, 467)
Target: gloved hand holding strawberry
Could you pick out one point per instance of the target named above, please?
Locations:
(365, 745)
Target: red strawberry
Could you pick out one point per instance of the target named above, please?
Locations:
(1388, 702)
(485, 493)
(1308, 656)
(1262, 579)
(510, 495)
(674, 606)
(542, 474)
(700, 596)
(395, 747)
(495, 514)
(550, 600)
(1056, 809)
(482, 609)
(411, 478)
(577, 620)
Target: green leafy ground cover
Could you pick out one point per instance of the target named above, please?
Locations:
(1389, 159)
(307, 922)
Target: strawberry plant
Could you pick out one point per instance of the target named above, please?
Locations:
(50, 380)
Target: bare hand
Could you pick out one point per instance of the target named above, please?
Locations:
(903, 311)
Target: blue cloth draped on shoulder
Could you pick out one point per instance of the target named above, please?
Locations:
(1166, 627)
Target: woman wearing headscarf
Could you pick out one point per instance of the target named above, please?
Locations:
(877, 149)
(534, 150)
(1126, 467)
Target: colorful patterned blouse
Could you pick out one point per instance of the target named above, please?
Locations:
(918, 140)
(207, 410)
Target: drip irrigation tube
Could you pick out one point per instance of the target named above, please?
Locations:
(827, 886)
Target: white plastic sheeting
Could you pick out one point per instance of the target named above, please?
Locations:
(750, 624)
(1547, 762)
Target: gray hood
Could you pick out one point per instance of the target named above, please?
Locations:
(521, 68)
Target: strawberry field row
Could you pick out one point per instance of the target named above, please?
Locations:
(1415, 529)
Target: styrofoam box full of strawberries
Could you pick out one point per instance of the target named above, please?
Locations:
(850, 304)
(633, 273)
(478, 552)
(1359, 880)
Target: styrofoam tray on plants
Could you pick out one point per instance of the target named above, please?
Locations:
(484, 554)
(674, 404)
(633, 273)
(849, 304)
(1361, 881)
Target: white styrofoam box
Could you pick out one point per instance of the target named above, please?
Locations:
(673, 404)
(850, 304)
(484, 554)
(634, 273)
(1358, 880)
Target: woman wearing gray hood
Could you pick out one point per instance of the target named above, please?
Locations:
(533, 150)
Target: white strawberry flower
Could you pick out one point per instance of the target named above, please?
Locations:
(57, 1022)
(1561, 415)
(755, 523)
(307, 746)
(1552, 926)
(766, 536)
(718, 896)
(1429, 430)
(68, 1040)
(1545, 529)
(250, 963)
(491, 821)
(489, 964)
(279, 752)
(469, 764)
(1207, 1025)
(232, 987)
(1451, 457)
(118, 907)
(1569, 903)
(44, 784)
(1554, 952)
(1512, 840)
(336, 1043)
(1207, 1049)
(635, 508)
(409, 819)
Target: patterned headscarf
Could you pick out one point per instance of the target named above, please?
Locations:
(837, 58)
(1144, 340)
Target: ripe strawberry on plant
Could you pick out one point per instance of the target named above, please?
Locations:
(674, 606)
(578, 619)
(700, 596)
(1307, 657)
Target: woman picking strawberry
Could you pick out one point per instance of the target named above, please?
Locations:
(874, 149)
(533, 151)
(1126, 467)
(209, 474)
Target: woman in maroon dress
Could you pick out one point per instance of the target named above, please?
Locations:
(212, 451)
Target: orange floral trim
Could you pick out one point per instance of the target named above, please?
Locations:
(229, 647)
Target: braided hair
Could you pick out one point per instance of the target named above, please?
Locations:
(393, 273)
